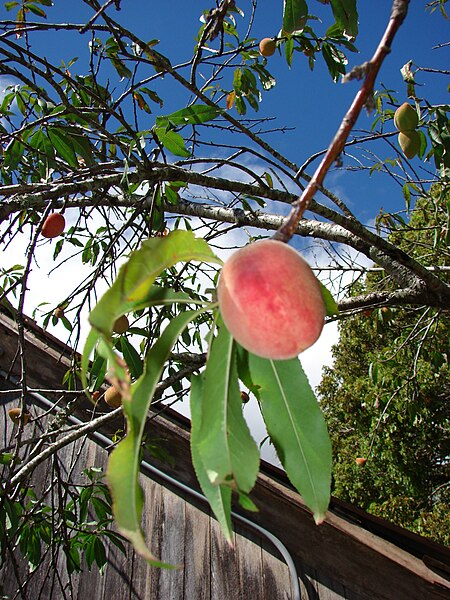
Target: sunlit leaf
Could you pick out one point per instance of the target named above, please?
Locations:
(192, 115)
(331, 305)
(124, 462)
(133, 287)
(172, 141)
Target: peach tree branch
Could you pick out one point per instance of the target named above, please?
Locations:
(363, 98)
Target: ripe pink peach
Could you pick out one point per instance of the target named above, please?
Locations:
(270, 300)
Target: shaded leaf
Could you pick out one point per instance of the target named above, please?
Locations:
(228, 452)
(219, 496)
(132, 358)
(295, 14)
(63, 145)
(297, 428)
(346, 14)
(124, 462)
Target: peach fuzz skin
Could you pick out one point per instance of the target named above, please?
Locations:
(270, 300)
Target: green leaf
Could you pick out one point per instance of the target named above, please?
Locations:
(295, 14)
(63, 145)
(172, 141)
(193, 115)
(331, 306)
(296, 427)
(346, 14)
(6, 458)
(13, 154)
(229, 454)
(132, 358)
(124, 462)
(133, 288)
(219, 496)
(36, 10)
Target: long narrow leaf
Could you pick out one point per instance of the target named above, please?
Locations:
(124, 462)
(192, 115)
(136, 277)
(219, 496)
(297, 428)
(228, 452)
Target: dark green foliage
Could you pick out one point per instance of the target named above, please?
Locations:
(386, 399)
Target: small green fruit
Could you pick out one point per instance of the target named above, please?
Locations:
(409, 142)
(405, 118)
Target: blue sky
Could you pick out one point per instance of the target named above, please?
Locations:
(309, 102)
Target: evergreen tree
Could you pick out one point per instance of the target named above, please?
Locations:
(386, 396)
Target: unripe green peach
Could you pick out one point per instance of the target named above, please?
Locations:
(121, 325)
(409, 142)
(405, 118)
(267, 47)
(270, 300)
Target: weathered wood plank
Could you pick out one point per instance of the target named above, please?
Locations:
(224, 569)
(197, 553)
(249, 563)
(171, 581)
(275, 574)
(328, 589)
(146, 578)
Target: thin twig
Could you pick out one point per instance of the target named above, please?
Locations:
(369, 71)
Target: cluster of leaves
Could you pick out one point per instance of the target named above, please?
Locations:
(386, 397)
(85, 520)
(225, 456)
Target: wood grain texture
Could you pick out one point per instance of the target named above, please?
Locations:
(197, 553)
